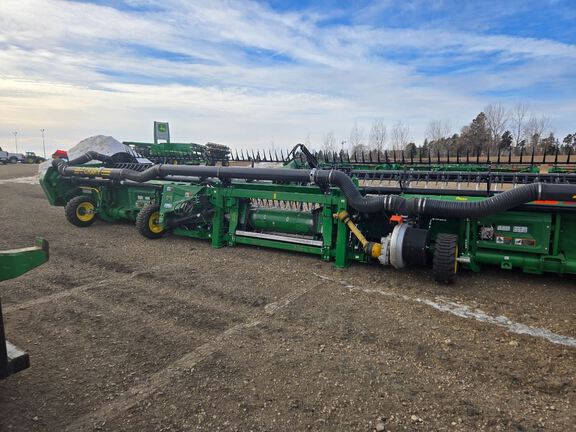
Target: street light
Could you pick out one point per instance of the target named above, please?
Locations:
(16, 140)
(43, 143)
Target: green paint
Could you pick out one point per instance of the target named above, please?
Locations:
(534, 242)
(283, 221)
(16, 262)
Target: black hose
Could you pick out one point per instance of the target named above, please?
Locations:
(445, 209)
(86, 157)
(163, 170)
(364, 204)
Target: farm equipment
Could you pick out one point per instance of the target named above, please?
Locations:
(14, 263)
(398, 218)
(32, 158)
(182, 153)
(512, 160)
(162, 150)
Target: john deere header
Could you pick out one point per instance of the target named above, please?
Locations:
(527, 222)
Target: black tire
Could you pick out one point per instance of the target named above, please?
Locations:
(444, 264)
(13, 160)
(145, 222)
(79, 211)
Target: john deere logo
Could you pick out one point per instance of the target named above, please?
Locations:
(161, 132)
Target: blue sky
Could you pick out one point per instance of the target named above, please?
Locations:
(270, 74)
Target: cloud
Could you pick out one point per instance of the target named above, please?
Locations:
(246, 74)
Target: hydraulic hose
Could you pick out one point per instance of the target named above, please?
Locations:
(323, 178)
(440, 208)
(80, 160)
(163, 170)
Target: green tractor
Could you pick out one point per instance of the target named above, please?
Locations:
(32, 158)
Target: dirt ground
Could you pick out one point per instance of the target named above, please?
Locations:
(130, 334)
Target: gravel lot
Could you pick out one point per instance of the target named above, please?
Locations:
(130, 334)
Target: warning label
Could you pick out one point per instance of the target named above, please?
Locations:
(504, 240)
(515, 241)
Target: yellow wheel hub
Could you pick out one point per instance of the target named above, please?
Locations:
(154, 224)
(85, 211)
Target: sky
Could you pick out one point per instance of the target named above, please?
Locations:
(270, 74)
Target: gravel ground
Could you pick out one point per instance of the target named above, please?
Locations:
(130, 334)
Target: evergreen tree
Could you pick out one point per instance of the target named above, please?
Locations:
(549, 144)
(476, 136)
(410, 150)
(505, 141)
(424, 148)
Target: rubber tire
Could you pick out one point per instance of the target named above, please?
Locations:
(13, 160)
(142, 222)
(444, 261)
(72, 206)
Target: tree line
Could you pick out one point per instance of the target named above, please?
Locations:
(495, 129)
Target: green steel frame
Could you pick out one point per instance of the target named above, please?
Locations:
(14, 263)
(539, 238)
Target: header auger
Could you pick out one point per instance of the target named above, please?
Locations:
(527, 222)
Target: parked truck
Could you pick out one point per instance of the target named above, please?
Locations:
(7, 157)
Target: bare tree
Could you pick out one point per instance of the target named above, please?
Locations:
(356, 140)
(518, 116)
(535, 127)
(437, 130)
(378, 135)
(328, 143)
(496, 119)
(399, 136)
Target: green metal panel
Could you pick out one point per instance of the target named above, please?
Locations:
(527, 262)
(197, 234)
(286, 221)
(567, 236)
(56, 188)
(279, 245)
(16, 262)
(517, 231)
(342, 236)
(218, 223)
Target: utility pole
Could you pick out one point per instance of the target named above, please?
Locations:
(16, 140)
(43, 143)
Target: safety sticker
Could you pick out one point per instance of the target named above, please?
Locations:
(504, 240)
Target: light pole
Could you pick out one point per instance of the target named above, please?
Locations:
(16, 140)
(43, 143)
